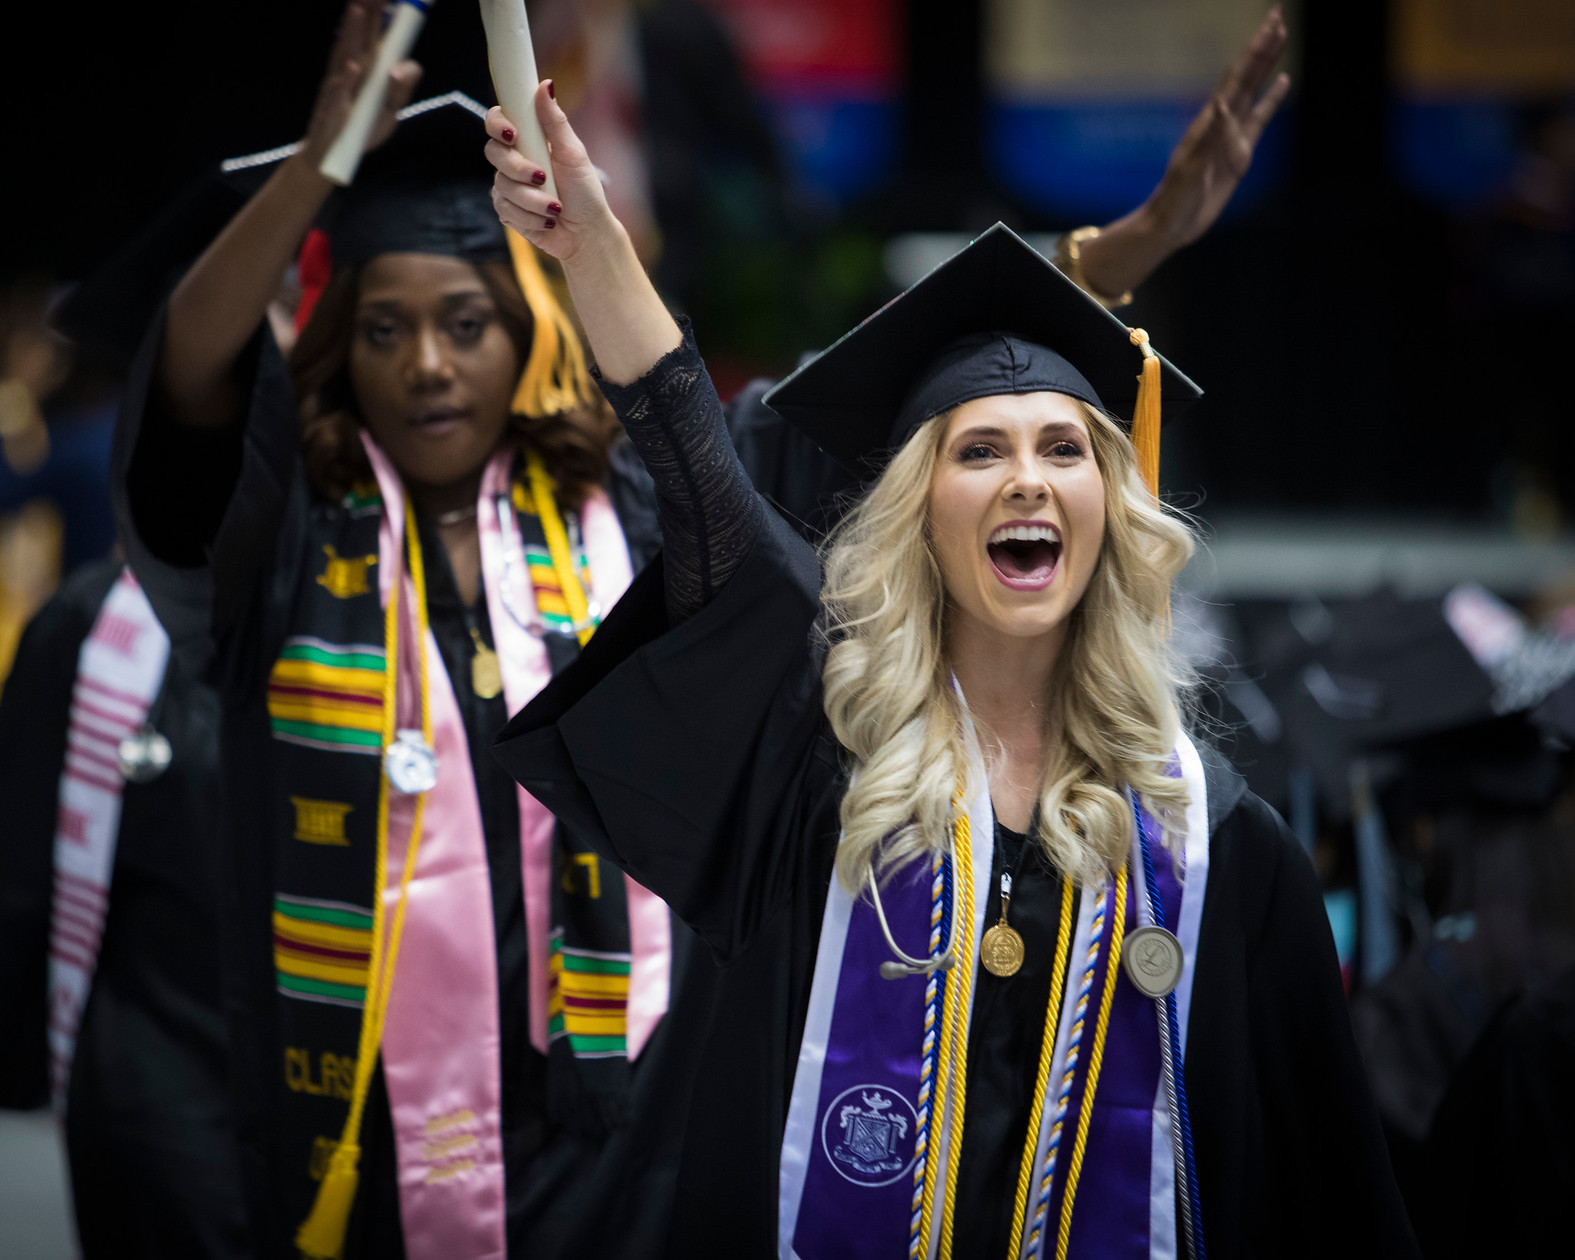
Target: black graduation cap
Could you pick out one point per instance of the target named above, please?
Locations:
(426, 190)
(995, 318)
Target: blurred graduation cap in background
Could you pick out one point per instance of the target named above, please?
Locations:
(1458, 681)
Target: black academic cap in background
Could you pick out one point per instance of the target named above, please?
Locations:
(426, 190)
(995, 318)
(1351, 680)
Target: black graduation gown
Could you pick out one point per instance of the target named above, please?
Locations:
(698, 757)
(1501, 1154)
(154, 1167)
(214, 524)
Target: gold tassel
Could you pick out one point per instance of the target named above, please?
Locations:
(1145, 414)
(322, 1234)
(555, 379)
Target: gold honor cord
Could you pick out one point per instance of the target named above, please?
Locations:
(1025, 1176)
(541, 490)
(961, 971)
(1086, 1109)
(322, 1234)
(957, 997)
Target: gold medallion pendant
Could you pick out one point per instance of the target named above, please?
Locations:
(1001, 950)
(1001, 947)
(486, 678)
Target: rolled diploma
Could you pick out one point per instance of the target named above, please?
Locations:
(512, 59)
(344, 156)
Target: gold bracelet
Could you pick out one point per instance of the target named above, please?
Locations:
(1069, 260)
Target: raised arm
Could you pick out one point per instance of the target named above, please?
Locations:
(216, 308)
(648, 367)
(1203, 171)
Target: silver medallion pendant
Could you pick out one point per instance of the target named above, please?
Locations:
(410, 764)
(144, 755)
(1153, 961)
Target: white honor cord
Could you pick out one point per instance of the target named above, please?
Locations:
(1167, 1055)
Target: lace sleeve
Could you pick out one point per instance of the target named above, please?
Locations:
(709, 511)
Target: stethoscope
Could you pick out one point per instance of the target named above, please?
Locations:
(906, 964)
(514, 564)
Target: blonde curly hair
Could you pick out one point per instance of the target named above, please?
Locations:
(1115, 701)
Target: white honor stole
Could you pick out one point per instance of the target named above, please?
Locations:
(119, 671)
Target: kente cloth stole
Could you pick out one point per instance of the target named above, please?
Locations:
(854, 1163)
(120, 668)
(440, 1049)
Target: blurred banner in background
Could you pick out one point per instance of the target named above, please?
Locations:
(1086, 98)
(1463, 73)
(830, 73)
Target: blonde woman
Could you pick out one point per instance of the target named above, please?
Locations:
(982, 911)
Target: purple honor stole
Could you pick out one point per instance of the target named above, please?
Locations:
(1122, 1194)
(861, 1098)
(859, 1106)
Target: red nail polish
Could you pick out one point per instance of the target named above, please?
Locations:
(552, 89)
(554, 208)
(508, 135)
(538, 177)
(550, 223)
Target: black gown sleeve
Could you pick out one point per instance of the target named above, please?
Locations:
(1291, 1154)
(708, 510)
(207, 516)
(687, 742)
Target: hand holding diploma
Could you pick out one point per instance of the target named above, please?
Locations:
(558, 205)
(349, 78)
(626, 324)
(366, 115)
(512, 58)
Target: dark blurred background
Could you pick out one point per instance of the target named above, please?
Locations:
(1383, 323)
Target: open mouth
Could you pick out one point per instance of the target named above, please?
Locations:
(1024, 554)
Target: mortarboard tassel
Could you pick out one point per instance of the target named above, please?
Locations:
(555, 378)
(1145, 414)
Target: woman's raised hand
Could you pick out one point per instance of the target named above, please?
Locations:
(626, 325)
(1214, 154)
(1203, 170)
(354, 51)
(558, 227)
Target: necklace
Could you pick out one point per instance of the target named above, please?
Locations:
(486, 675)
(445, 519)
(1001, 948)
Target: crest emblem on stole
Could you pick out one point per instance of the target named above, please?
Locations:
(867, 1135)
(345, 576)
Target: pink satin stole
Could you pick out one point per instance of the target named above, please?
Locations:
(440, 1043)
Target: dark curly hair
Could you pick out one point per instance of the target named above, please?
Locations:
(573, 444)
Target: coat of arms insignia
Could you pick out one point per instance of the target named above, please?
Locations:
(867, 1134)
